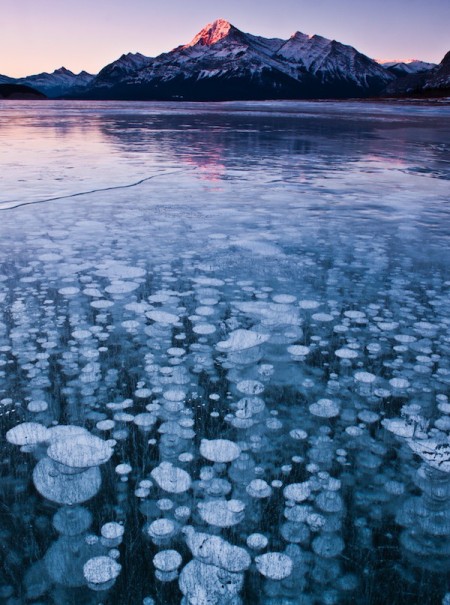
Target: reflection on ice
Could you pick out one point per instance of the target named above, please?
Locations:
(234, 392)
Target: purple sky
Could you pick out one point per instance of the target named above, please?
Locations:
(42, 35)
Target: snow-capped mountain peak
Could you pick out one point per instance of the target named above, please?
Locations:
(401, 67)
(213, 33)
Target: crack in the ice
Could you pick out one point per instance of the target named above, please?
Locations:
(80, 193)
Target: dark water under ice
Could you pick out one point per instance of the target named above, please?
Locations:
(246, 307)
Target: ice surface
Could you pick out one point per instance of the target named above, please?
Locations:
(254, 345)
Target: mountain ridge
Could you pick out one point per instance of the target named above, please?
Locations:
(221, 62)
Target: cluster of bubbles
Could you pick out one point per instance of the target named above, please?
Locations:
(188, 436)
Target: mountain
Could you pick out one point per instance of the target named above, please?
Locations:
(124, 66)
(6, 80)
(224, 63)
(410, 66)
(434, 82)
(19, 92)
(61, 81)
(439, 78)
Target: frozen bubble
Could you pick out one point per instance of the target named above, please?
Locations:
(396, 488)
(250, 387)
(298, 350)
(37, 406)
(354, 431)
(164, 504)
(208, 585)
(176, 351)
(368, 416)
(287, 299)
(382, 393)
(308, 304)
(295, 533)
(346, 353)
(250, 406)
(298, 434)
(72, 520)
(214, 550)
(145, 420)
(435, 453)
(81, 334)
(208, 281)
(62, 488)
(257, 541)
(162, 317)
(123, 469)
(322, 317)
(105, 425)
(222, 513)
(328, 545)
(240, 340)
(365, 377)
(443, 423)
(123, 417)
(121, 287)
(167, 560)
(62, 432)
(28, 433)
(274, 565)
(101, 570)
(203, 329)
(325, 408)
(130, 324)
(399, 426)
(112, 531)
(143, 393)
(171, 478)
(80, 451)
(101, 304)
(219, 450)
(204, 311)
(387, 326)
(182, 513)
(69, 291)
(354, 314)
(405, 338)
(297, 492)
(329, 502)
(161, 529)
(174, 395)
(258, 488)
(399, 383)
(115, 270)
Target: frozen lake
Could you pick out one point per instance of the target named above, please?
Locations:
(224, 353)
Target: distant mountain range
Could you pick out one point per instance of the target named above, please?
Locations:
(433, 82)
(224, 63)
